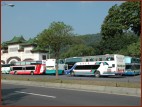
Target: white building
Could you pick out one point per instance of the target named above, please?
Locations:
(18, 49)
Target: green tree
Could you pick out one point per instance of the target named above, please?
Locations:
(133, 49)
(111, 25)
(81, 45)
(78, 50)
(130, 16)
(56, 36)
(115, 44)
(121, 19)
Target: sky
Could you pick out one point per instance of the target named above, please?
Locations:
(29, 18)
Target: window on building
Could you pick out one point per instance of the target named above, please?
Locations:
(27, 51)
(43, 57)
(14, 49)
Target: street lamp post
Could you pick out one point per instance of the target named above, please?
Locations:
(11, 5)
(49, 52)
(5, 4)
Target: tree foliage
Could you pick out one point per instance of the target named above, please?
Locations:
(121, 29)
(82, 45)
(115, 44)
(133, 49)
(119, 34)
(56, 36)
(78, 50)
(121, 19)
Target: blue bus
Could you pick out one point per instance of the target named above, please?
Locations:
(132, 66)
(68, 71)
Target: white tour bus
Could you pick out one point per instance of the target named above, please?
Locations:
(96, 68)
(116, 62)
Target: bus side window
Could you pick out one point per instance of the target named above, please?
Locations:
(30, 68)
(113, 65)
(61, 62)
(100, 59)
(87, 60)
(91, 59)
(105, 63)
(112, 58)
(23, 68)
(107, 59)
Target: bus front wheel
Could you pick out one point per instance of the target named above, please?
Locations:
(72, 73)
(63, 72)
(32, 73)
(97, 74)
(15, 72)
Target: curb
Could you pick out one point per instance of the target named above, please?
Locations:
(101, 89)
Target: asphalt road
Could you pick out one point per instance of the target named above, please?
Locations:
(19, 95)
(67, 77)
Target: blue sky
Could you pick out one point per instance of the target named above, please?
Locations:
(31, 18)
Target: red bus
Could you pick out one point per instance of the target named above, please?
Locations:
(29, 67)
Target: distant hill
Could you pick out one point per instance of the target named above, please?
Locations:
(89, 39)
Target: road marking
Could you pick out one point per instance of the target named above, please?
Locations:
(124, 94)
(35, 94)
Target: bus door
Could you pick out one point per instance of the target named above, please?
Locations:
(103, 67)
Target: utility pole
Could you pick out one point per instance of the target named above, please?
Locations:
(49, 52)
(11, 5)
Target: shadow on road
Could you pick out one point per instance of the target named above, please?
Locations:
(9, 96)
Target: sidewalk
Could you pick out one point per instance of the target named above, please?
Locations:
(95, 88)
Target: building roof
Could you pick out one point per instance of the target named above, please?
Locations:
(39, 49)
(28, 43)
(23, 43)
(16, 40)
(4, 45)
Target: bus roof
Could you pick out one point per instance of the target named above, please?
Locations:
(91, 63)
